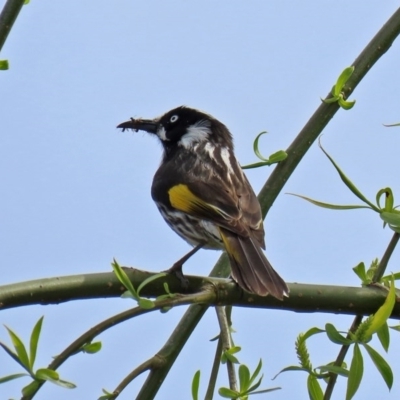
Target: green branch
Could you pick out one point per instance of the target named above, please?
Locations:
(325, 112)
(303, 297)
(89, 335)
(270, 191)
(7, 18)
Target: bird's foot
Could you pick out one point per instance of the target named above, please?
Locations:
(176, 270)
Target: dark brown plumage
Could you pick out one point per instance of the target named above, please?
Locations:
(204, 196)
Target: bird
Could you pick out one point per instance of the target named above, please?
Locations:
(204, 196)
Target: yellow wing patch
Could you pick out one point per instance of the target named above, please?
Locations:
(181, 198)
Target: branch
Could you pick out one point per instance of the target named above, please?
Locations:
(7, 18)
(89, 335)
(303, 297)
(226, 341)
(85, 286)
(151, 363)
(325, 112)
(386, 257)
(374, 50)
(214, 371)
(340, 358)
(358, 319)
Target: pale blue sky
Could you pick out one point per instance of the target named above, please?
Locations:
(76, 191)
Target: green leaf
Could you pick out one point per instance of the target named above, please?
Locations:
(226, 356)
(391, 125)
(278, 156)
(314, 388)
(52, 376)
(150, 279)
(124, 279)
(244, 377)
(382, 366)
(228, 393)
(128, 295)
(256, 372)
(233, 350)
(383, 313)
(62, 383)
(396, 328)
(334, 335)
(251, 389)
(346, 104)
(107, 395)
(12, 354)
(33, 343)
(255, 147)
(348, 182)
(4, 65)
(196, 385)
(391, 218)
(13, 376)
(355, 373)
(341, 81)
(291, 368)
(266, 390)
(388, 278)
(389, 199)
(28, 390)
(274, 158)
(20, 350)
(45, 374)
(334, 369)
(384, 336)
(331, 100)
(311, 332)
(328, 205)
(359, 269)
(92, 348)
(146, 304)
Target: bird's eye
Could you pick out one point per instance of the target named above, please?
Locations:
(173, 119)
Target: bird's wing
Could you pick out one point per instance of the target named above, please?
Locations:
(217, 202)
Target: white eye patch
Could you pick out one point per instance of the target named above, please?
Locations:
(174, 118)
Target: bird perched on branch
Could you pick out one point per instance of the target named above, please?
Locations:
(204, 196)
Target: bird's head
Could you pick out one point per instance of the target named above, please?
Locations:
(183, 126)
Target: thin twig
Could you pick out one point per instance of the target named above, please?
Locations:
(227, 343)
(214, 371)
(340, 358)
(358, 319)
(386, 257)
(151, 363)
(89, 335)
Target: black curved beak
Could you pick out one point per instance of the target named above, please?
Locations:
(147, 125)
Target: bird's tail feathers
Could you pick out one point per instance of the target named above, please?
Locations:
(250, 267)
